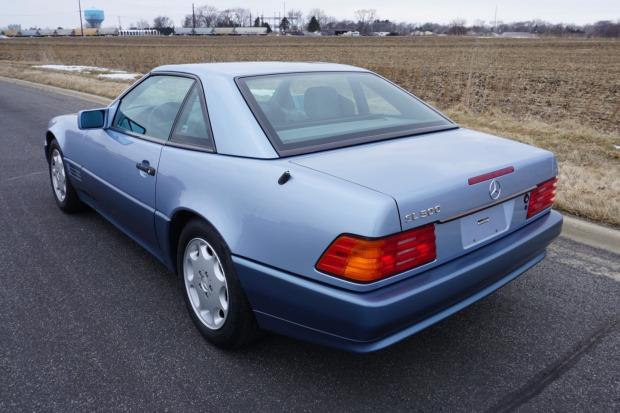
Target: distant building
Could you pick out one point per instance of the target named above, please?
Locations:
(204, 31)
(29, 33)
(108, 31)
(347, 33)
(250, 31)
(519, 35)
(183, 31)
(64, 32)
(94, 17)
(224, 31)
(138, 32)
(88, 31)
(10, 32)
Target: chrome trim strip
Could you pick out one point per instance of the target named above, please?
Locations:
(472, 211)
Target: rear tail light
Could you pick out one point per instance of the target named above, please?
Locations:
(542, 197)
(367, 260)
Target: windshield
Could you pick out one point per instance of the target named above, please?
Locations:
(305, 112)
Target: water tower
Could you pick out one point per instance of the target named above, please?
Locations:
(94, 17)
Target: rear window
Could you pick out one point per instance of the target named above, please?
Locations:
(306, 112)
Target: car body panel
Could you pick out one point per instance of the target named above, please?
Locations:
(307, 310)
(278, 231)
(427, 170)
(288, 226)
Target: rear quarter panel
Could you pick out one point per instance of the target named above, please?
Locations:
(285, 226)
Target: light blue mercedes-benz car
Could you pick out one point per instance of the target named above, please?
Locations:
(316, 200)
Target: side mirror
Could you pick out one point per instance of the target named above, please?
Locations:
(92, 119)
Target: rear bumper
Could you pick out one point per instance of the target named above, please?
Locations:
(364, 322)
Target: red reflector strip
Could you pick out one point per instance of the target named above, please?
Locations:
(490, 175)
(542, 197)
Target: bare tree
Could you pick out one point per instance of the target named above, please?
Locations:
(457, 27)
(295, 17)
(160, 22)
(320, 15)
(140, 24)
(241, 16)
(365, 19)
(206, 15)
(226, 18)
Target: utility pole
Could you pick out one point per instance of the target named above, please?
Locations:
(80, 9)
(193, 20)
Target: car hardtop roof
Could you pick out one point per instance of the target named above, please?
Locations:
(235, 69)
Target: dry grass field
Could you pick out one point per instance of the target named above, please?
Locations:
(560, 94)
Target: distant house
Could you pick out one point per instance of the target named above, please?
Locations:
(519, 35)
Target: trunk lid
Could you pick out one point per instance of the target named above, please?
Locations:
(428, 175)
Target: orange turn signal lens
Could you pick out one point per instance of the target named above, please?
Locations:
(367, 260)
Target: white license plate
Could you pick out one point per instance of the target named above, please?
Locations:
(486, 224)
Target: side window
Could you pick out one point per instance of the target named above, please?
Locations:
(191, 128)
(151, 107)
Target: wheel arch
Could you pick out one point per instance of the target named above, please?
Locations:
(179, 219)
(49, 137)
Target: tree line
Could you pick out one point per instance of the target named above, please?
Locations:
(367, 21)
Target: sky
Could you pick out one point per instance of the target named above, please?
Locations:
(45, 13)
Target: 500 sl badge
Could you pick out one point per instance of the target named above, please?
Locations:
(423, 213)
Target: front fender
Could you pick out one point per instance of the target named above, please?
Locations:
(57, 129)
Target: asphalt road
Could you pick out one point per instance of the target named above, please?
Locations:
(90, 321)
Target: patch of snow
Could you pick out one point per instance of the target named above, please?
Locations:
(617, 147)
(119, 76)
(74, 68)
(103, 72)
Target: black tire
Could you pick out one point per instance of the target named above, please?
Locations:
(239, 327)
(71, 202)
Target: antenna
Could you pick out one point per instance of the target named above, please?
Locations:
(80, 9)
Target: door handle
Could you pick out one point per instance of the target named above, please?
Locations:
(145, 167)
